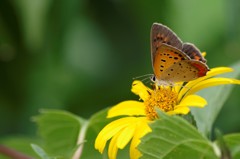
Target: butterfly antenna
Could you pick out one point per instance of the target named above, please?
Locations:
(146, 78)
(148, 82)
(148, 75)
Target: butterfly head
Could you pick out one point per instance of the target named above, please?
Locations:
(161, 82)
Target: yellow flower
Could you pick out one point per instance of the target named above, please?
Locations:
(135, 116)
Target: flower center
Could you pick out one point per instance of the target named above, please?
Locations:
(163, 98)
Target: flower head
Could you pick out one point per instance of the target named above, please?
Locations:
(135, 116)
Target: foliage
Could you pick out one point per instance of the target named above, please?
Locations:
(80, 56)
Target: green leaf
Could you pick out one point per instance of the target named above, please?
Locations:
(233, 143)
(174, 137)
(60, 131)
(216, 97)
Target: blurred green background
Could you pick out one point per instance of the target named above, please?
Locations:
(81, 55)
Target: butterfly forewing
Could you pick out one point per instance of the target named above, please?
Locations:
(161, 34)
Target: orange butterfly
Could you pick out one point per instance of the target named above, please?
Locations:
(172, 60)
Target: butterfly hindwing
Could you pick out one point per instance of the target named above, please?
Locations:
(185, 71)
(193, 52)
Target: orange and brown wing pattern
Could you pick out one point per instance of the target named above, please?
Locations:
(172, 60)
(193, 52)
(165, 57)
(161, 34)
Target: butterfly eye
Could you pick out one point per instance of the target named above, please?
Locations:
(153, 78)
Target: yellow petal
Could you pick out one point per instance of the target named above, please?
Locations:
(112, 148)
(110, 130)
(188, 101)
(177, 87)
(211, 73)
(126, 135)
(179, 110)
(141, 130)
(212, 82)
(192, 100)
(127, 108)
(140, 89)
(218, 70)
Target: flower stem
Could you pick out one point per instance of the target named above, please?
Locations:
(80, 141)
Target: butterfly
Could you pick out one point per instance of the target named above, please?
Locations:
(172, 60)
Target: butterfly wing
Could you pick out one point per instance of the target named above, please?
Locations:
(165, 57)
(193, 52)
(185, 71)
(172, 60)
(161, 34)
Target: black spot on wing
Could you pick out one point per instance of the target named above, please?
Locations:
(163, 60)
